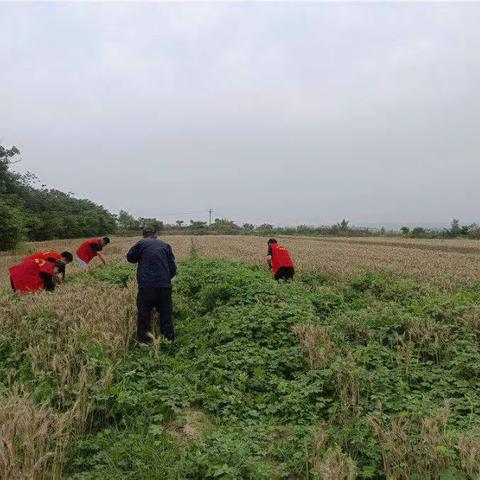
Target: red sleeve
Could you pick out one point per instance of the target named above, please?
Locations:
(46, 267)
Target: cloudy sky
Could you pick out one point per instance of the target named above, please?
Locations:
(266, 112)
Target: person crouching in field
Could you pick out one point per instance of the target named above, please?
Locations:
(156, 268)
(90, 249)
(52, 256)
(279, 261)
(35, 274)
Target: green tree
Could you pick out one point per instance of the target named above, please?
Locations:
(9, 181)
(12, 218)
(44, 214)
(455, 228)
(265, 226)
(224, 225)
(344, 225)
(151, 222)
(418, 232)
(197, 227)
(127, 223)
(12, 226)
(305, 229)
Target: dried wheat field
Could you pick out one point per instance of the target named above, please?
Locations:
(444, 262)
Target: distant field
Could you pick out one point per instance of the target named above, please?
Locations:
(447, 262)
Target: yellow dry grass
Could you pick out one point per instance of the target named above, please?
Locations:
(31, 437)
(447, 262)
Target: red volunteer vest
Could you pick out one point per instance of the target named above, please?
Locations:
(280, 257)
(26, 275)
(45, 255)
(85, 252)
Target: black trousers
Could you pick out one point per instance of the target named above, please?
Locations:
(161, 300)
(285, 273)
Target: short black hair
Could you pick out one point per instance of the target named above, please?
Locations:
(67, 256)
(149, 231)
(106, 240)
(272, 240)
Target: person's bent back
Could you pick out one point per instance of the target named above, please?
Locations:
(90, 249)
(279, 261)
(33, 275)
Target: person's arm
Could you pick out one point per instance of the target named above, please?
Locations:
(172, 266)
(48, 281)
(102, 257)
(269, 258)
(97, 249)
(60, 278)
(133, 255)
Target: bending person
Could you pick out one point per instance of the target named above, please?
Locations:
(90, 249)
(34, 275)
(52, 256)
(279, 261)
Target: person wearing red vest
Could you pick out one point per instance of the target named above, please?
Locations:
(52, 256)
(35, 274)
(90, 249)
(279, 261)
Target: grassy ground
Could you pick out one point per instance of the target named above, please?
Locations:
(373, 376)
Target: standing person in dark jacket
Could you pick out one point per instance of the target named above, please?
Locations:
(156, 268)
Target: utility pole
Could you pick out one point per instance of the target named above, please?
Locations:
(210, 216)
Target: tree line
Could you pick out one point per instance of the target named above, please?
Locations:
(343, 228)
(29, 212)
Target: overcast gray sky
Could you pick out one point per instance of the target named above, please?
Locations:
(282, 113)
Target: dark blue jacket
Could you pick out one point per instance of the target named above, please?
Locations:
(156, 263)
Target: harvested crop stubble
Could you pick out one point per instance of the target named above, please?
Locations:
(446, 262)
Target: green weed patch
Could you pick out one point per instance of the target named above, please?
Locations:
(375, 377)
